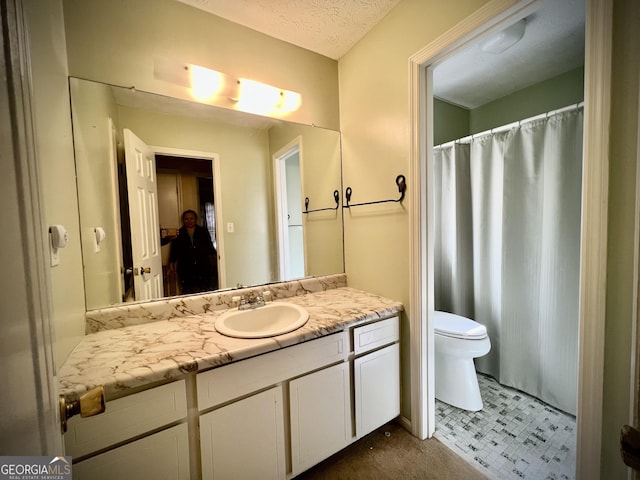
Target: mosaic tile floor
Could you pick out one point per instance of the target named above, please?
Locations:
(515, 436)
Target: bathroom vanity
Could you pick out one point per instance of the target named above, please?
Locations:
(202, 405)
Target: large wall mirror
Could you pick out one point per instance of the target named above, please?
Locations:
(266, 190)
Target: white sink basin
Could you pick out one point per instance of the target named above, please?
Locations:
(267, 321)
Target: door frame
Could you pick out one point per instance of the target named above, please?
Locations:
(214, 158)
(30, 364)
(634, 416)
(280, 189)
(597, 98)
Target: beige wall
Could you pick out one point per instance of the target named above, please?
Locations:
(55, 153)
(621, 303)
(93, 105)
(374, 119)
(115, 41)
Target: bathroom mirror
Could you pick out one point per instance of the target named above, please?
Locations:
(264, 188)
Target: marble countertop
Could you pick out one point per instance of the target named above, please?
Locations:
(135, 356)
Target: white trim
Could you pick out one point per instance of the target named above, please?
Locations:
(116, 226)
(594, 217)
(294, 146)
(593, 271)
(217, 199)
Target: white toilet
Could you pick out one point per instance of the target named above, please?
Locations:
(458, 340)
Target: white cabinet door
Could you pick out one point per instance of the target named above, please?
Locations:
(163, 456)
(245, 439)
(320, 406)
(377, 388)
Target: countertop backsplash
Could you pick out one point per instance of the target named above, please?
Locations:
(184, 306)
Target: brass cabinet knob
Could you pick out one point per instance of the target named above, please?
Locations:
(89, 404)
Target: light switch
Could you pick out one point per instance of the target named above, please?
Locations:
(229, 227)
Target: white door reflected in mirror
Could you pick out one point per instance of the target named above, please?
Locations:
(143, 210)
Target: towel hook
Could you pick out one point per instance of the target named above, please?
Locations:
(402, 188)
(336, 198)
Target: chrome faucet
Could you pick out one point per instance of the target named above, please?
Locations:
(251, 300)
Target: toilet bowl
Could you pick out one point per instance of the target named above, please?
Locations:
(458, 340)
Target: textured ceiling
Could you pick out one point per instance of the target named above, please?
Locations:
(552, 44)
(327, 27)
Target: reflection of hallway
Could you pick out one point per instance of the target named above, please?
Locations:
(515, 435)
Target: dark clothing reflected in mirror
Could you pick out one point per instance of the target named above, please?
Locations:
(193, 257)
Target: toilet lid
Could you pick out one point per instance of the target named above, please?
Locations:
(457, 326)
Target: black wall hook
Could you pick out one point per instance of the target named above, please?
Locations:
(402, 188)
(336, 198)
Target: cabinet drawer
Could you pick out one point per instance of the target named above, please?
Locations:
(374, 335)
(223, 384)
(163, 455)
(126, 418)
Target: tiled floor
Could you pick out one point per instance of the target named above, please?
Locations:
(515, 436)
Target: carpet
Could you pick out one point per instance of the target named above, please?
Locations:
(391, 452)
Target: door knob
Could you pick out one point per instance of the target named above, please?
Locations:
(89, 404)
(144, 270)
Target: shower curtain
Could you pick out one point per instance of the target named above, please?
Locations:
(507, 245)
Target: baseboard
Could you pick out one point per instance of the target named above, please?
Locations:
(404, 422)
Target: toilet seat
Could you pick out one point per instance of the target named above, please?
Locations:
(456, 326)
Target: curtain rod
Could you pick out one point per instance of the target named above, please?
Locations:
(509, 126)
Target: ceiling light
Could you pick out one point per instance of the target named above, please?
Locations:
(504, 39)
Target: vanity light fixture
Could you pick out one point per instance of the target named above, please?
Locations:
(263, 99)
(205, 83)
(504, 39)
(210, 86)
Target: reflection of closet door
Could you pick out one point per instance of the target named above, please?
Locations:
(189, 195)
(168, 208)
(177, 192)
(142, 188)
(168, 205)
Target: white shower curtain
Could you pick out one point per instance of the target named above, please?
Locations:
(507, 246)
